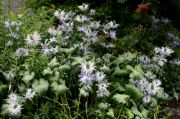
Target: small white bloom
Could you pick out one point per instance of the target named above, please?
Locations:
(13, 97)
(146, 99)
(53, 31)
(21, 52)
(112, 34)
(99, 76)
(92, 12)
(94, 24)
(53, 40)
(83, 7)
(9, 75)
(102, 89)
(14, 108)
(81, 18)
(9, 43)
(30, 93)
(33, 39)
(87, 67)
(13, 35)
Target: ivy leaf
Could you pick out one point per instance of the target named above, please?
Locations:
(103, 106)
(59, 89)
(120, 98)
(136, 112)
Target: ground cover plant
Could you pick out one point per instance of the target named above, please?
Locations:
(69, 64)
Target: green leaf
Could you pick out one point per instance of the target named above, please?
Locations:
(27, 76)
(40, 86)
(103, 106)
(110, 113)
(136, 112)
(133, 92)
(120, 98)
(175, 94)
(59, 89)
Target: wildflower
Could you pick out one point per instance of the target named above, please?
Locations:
(112, 34)
(82, 28)
(94, 24)
(13, 97)
(89, 33)
(9, 75)
(92, 12)
(111, 24)
(86, 79)
(12, 35)
(102, 89)
(53, 40)
(9, 24)
(9, 43)
(30, 93)
(81, 18)
(146, 99)
(83, 7)
(99, 76)
(53, 31)
(13, 108)
(21, 52)
(33, 39)
(87, 67)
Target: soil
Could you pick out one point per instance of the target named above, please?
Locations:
(173, 107)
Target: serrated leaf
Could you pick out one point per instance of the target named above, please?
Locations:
(136, 112)
(133, 92)
(120, 98)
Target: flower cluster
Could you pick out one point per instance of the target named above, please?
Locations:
(87, 77)
(161, 54)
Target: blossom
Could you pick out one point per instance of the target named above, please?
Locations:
(102, 90)
(146, 99)
(81, 18)
(30, 93)
(92, 12)
(9, 24)
(9, 75)
(94, 24)
(83, 7)
(86, 79)
(53, 31)
(87, 67)
(112, 34)
(13, 108)
(33, 39)
(21, 52)
(13, 97)
(99, 76)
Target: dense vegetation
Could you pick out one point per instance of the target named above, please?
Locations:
(89, 59)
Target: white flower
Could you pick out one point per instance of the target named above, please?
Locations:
(83, 7)
(9, 43)
(53, 31)
(99, 76)
(102, 89)
(21, 52)
(156, 82)
(13, 97)
(13, 35)
(82, 28)
(13, 108)
(30, 93)
(9, 24)
(146, 99)
(33, 39)
(9, 75)
(112, 34)
(86, 79)
(81, 18)
(90, 33)
(111, 24)
(92, 12)
(53, 40)
(87, 67)
(94, 24)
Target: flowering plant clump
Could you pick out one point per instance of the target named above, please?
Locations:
(70, 71)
